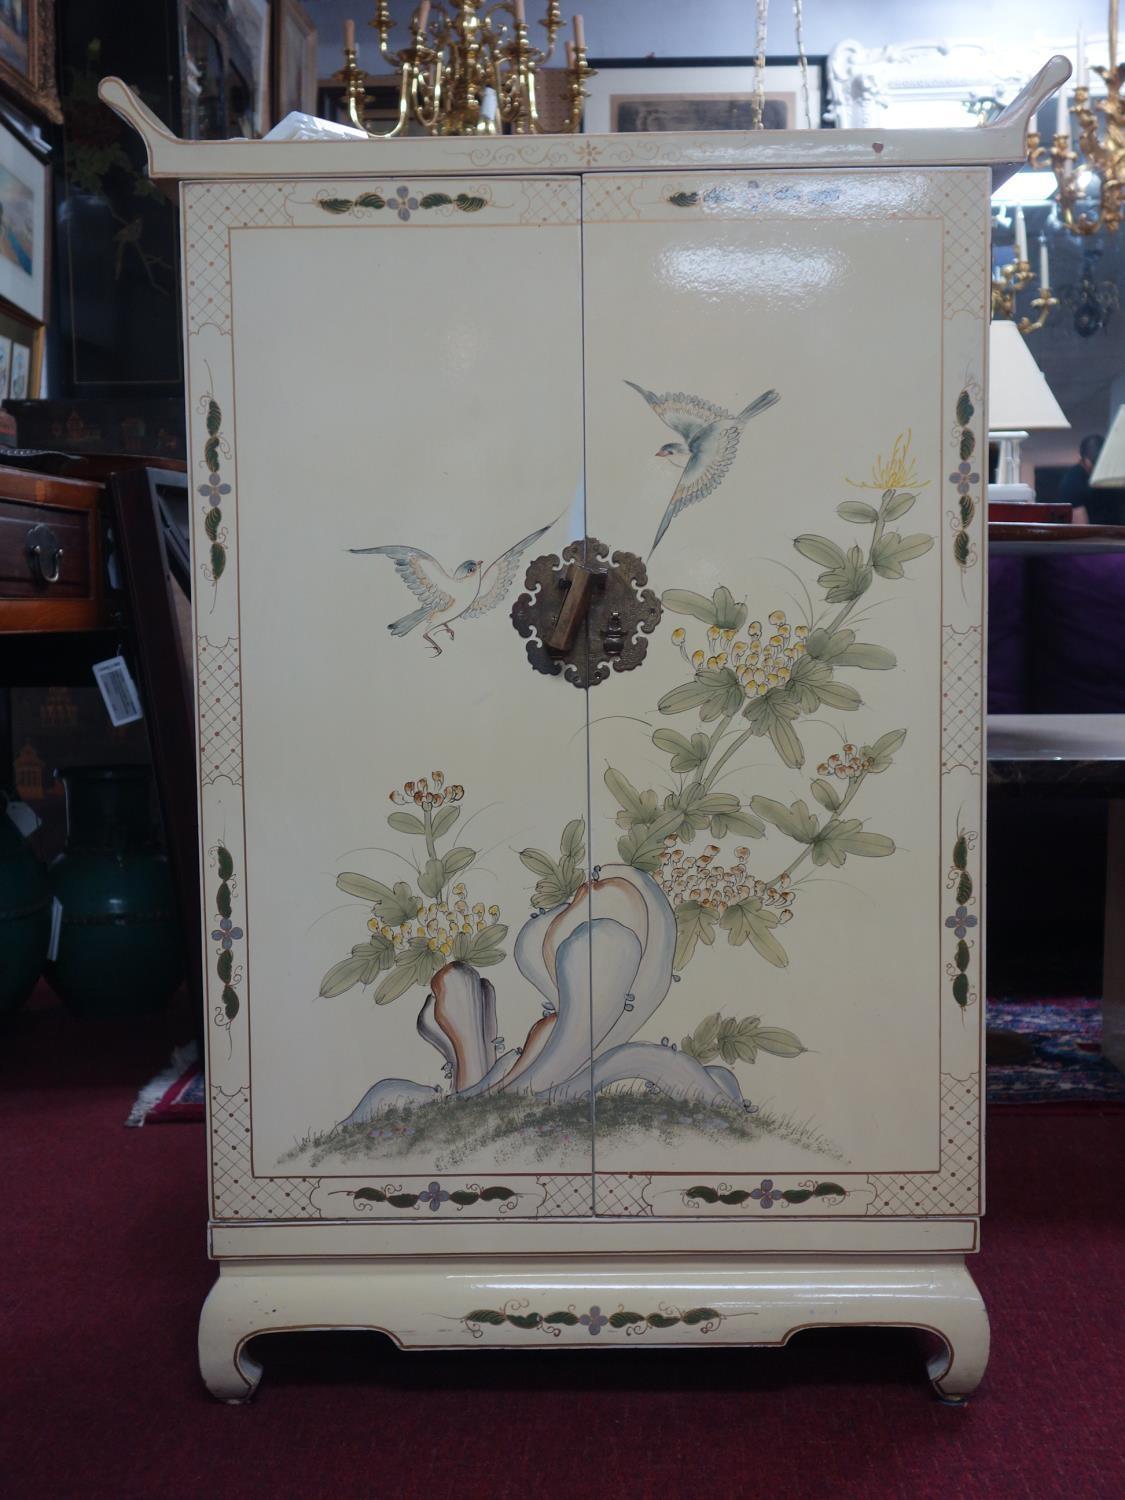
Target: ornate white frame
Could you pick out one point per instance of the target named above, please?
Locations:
(874, 87)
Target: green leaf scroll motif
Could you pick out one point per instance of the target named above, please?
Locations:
(214, 492)
(764, 1196)
(594, 1321)
(964, 478)
(374, 202)
(961, 921)
(226, 934)
(434, 1198)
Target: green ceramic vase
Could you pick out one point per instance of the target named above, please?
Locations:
(120, 950)
(25, 915)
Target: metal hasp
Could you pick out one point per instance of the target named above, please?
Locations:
(44, 553)
(586, 612)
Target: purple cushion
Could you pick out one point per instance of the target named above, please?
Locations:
(1077, 616)
(1008, 640)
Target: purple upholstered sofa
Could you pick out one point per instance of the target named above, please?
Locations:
(1056, 635)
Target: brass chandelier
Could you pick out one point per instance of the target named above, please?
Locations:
(1009, 280)
(1100, 151)
(470, 69)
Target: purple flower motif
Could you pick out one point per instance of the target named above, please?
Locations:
(435, 1195)
(213, 488)
(766, 1195)
(595, 1320)
(964, 478)
(961, 921)
(406, 204)
(226, 934)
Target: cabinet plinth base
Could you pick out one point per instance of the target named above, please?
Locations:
(527, 1304)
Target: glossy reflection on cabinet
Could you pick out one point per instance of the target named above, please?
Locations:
(492, 947)
(402, 752)
(764, 405)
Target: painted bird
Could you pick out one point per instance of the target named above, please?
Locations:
(470, 591)
(710, 441)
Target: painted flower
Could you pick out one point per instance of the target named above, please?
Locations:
(964, 477)
(961, 921)
(595, 1320)
(897, 471)
(435, 1195)
(226, 934)
(406, 204)
(766, 1195)
(213, 488)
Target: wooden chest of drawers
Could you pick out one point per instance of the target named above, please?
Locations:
(50, 576)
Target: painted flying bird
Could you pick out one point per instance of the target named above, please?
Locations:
(470, 591)
(710, 441)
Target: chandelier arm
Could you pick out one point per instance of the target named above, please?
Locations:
(1045, 302)
(460, 49)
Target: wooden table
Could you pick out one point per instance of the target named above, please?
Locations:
(1076, 754)
(1045, 538)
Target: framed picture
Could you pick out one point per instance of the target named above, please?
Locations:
(21, 354)
(700, 93)
(226, 68)
(21, 371)
(23, 226)
(27, 55)
(294, 60)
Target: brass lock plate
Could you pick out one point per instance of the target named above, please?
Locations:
(587, 613)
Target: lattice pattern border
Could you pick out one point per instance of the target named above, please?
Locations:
(220, 710)
(961, 699)
(235, 1192)
(955, 1187)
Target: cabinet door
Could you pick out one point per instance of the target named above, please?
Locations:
(387, 428)
(783, 393)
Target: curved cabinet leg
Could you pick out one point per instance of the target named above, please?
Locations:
(957, 1366)
(225, 1325)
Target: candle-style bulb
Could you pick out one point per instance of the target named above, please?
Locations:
(1044, 266)
(349, 35)
(579, 34)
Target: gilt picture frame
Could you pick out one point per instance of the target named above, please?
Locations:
(26, 338)
(24, 196)
(688, 94)
(27, 55)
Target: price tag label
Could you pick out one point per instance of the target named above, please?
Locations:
(56, 929)
(118, 690)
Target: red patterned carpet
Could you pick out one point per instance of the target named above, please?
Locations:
(103, 1271)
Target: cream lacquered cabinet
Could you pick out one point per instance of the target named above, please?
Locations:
(625, 991)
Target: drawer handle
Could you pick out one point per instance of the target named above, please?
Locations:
(45, 552)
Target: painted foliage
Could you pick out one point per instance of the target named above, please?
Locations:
(685, 875)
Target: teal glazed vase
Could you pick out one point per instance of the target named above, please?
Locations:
(25, 916)
(120, 949)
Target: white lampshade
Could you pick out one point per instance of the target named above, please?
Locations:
(1019, 398)
(1109, 471)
